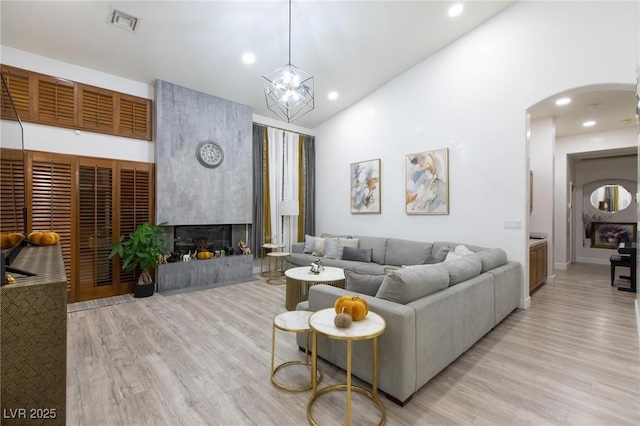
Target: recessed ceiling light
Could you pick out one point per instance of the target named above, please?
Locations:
(333, 95)
(456, 10)
(563, 101)
(589, 123)
(248, 58)
(122, 20)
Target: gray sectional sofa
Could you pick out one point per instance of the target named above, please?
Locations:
(434, 312)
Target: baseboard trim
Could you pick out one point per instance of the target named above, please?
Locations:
(638, 316)
(550, 279)
(593, 260)
(561, 266)
(525, 303)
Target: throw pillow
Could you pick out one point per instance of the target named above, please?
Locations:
(346, 242)
(363, 283)
(309, 244)
(357, 254)
(431, 259)
(331, 248)
(458, 253)
(318, 247)
(441, 254)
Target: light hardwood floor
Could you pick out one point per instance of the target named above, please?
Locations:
(204, 358)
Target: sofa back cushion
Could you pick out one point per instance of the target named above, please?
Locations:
(408, 284)
(327, 235)
(368, 284)
(405, 252)
(378, 246)
(462, 269)
(492, 258)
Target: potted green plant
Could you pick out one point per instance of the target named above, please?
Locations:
(143, 249)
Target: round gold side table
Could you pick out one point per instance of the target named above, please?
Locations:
(275, 275)
(372, 326)
(295, 322)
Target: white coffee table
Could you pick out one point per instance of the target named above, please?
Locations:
(300, 279)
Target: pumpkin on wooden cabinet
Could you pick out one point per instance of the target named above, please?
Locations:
(44, 238)
(352, 305)
(10, 239)
(204, 255)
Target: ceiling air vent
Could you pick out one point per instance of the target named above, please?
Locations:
(122, 20)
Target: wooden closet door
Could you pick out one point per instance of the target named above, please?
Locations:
(135, 205)
(50, 183)
(96, 221)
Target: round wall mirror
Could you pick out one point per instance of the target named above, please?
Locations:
(611, 198)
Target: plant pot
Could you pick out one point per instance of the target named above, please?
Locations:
(143, 290)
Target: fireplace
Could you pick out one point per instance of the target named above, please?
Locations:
(190, 237)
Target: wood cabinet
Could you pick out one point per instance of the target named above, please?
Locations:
(537, 265)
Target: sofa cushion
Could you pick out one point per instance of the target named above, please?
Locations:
(309, 244)
(346, 242)
(378, 245)
(492, 258)
(363, 283)
(408, 284)
(331, 248)
(405, 252)
(357, 254)
(318, 248)
(462, 269)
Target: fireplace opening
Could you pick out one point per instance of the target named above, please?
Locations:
(191, 237)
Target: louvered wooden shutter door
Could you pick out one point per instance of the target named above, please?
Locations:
(51, 189)
(56, 101)
(11, 190)
(135, 201)
(19, 84)
(95, 227)
(96, 109)
(135, 117)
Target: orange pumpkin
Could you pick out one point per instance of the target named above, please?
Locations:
(352, 305)
(11, 239)
(204, 255)
(43, 238)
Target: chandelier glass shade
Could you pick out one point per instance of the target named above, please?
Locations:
(289, 90)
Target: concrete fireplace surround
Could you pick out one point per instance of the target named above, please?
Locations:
(188, 193)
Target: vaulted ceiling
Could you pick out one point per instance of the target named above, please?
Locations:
(351, 47)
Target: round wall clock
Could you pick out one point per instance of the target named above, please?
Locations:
(210, 154)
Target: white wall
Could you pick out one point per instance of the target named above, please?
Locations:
(541, 149)
(591, 142)
(67, 141)
(471, 97)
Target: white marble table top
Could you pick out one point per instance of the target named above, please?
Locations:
(303, 273)
(371, 326)
(293, 321)
(273, 246)
(278, 253)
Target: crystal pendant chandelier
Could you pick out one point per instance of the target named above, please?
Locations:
(288, 89)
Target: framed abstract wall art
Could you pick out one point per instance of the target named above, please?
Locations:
(427, 182)
(365, 187)
(610, 235)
